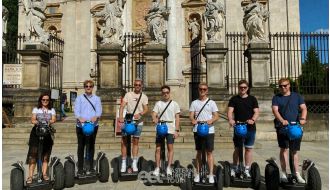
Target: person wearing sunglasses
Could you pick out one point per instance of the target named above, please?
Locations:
(210, 115)
(243, 108)
(286, 106)
(172, 117)
(131, 99)
(87, 107)
(43, 113)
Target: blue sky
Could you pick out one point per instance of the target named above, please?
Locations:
(314, 15)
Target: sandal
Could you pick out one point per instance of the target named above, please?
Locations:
(45, 177)
(29, 180)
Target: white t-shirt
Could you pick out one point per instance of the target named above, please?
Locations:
(206, 113)
(169, 114)
(131, 99)
(43, 115)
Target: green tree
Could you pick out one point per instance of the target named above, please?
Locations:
(12, 26)
(313, 79)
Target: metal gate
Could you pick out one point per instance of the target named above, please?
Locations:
(196, 70)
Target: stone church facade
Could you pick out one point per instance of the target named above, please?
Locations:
(73, 21)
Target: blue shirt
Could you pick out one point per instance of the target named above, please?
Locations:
(83, 109)
(291, 114)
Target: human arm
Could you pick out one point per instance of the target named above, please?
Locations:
(231, 120)
(278, 115)
(53, 118)
(98, 110)
(255, 116)
(302, 119)
(192, 117)
(177, 125)
(121, 111)
(145, 110)
(215, 117)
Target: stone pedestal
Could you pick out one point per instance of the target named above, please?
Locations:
(216, 67)
(110, 78)
(155, 55)
(258, 58)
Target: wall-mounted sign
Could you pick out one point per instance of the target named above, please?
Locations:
(12, 74)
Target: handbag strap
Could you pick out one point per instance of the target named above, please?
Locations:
(137, 103)
(200, 111)
(90, 102)
(165, 109)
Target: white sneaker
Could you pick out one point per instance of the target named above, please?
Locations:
(247, 173)
(299, 178)
(156, 172)
(168, 171)
(196, 178)
(284, 178)
(123, 166)
(135, 168)
(232, 172)
(211, 179)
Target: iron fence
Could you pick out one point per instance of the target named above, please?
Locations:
(196, 70)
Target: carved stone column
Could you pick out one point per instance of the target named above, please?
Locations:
(110, 78)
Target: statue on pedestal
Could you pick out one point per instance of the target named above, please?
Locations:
(156, 26)
(255, 15)
(213, 19)
(5, 14)
(194, 27)
(35, 17)
(111, 31)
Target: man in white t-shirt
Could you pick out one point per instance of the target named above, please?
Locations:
(209, 114)
(131, 99)
(172, 118)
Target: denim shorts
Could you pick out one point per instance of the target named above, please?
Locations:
(137, 132)
(248, 141)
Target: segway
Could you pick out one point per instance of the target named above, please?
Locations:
(129, 174)
(163, 178)
(188, 182)
(55, 168)
(309, 172)
(241, 179)
(101, 163)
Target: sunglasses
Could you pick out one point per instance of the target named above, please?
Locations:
(243, 87)
(89, 86)
(45, 100)
(137, 84)
(283, 85)
(203, 89)
(167, 92)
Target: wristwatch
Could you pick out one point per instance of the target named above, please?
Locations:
(177, 130)
(302, 118)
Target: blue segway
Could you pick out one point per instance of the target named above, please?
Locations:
(102, 170)
(129, 175)
(309, 172)
(55, 168)
(189, 184)
(241, 179)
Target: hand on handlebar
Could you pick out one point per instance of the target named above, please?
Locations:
(194, 122)
(285, 122)
(232, 122)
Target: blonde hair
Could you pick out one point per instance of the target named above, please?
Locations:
(283, 80)
(203, 84)
(88, 82)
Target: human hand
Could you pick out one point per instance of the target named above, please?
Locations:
(232, 122)
(137, 116)
(285, 122)
(209, 122)
(155, 120)
(82, 120)
(94, 119)
(176, 134)
(250, 121)
(302, 121)
(194, 121)
(121, 119)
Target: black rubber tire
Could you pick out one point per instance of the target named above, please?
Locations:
(255, 175)
(150, 167)
(272, 177)
(140, 163)
(189, 177)
(314, 179)
(226, 174)
(104, 170)
(16, 179)
(69, 173)
(176, 164)
(219, 176)
(59, 178)
(115, 170)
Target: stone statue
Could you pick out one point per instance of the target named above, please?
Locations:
(112, 29)
(5, 14)
(213, 18)
(254, 17)
(35, 17)
(194, 27)
(156, 25)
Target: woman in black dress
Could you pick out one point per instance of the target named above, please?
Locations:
(43, 113)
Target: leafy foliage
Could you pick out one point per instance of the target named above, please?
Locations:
(12, 25)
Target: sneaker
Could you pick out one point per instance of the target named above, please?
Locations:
(211, 179)
(299, 178)
(168, 171)
(196, 178)
(156, 172)
(284, 178)
(123, 167)
(92, 171)
(135, 168)
(247, 173)
(232, 172)
(80, 173)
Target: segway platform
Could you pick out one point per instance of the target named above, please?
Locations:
(129, 174)
(39, 185)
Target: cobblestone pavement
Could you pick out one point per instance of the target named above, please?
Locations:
(316, 151)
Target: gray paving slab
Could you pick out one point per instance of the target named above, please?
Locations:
(317, 151)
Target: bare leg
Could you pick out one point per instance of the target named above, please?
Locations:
(248, 156)
(198, 160)
(32, 166)
(123, 147)
(283, 158)
(210, 161)
(295, 160)
(135, 146)
(170, 154)
(157, 155)
(235, 157)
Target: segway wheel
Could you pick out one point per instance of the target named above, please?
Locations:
(189, 177)
(226, 174)
(149, 169)
(104, 170)
(141, 164)
(176, 167)
(272, 178)
(115, 171)
(69, 173)
(219, 177)
(16, 179)
(255, 175)
(314, 179)
(59, 176)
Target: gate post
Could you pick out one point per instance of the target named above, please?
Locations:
(258, 55)
(110, 78)
(35, 80)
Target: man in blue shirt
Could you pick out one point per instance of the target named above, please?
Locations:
(285, 106)
(87, 108)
